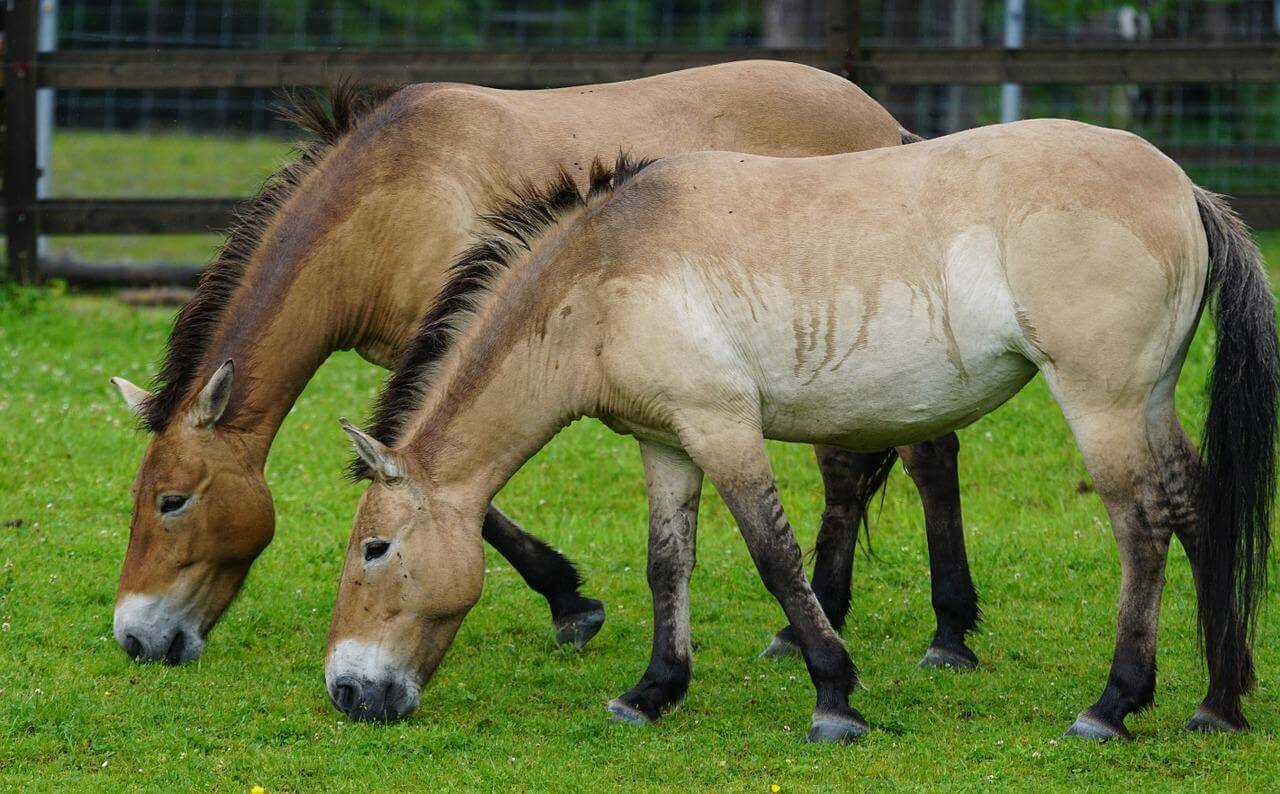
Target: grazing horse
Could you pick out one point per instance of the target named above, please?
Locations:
(347, 247)
(682, 307)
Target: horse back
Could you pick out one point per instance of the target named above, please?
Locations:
(910, 289)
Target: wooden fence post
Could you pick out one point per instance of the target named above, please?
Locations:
(22, 227)
(844, 36)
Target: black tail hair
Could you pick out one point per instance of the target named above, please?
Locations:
(1239, 474)
(875, 484)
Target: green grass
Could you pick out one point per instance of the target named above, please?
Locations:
(509, 710)
(165, 164)
(119, 165)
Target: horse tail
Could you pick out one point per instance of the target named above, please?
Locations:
(875, 484)
(908, 136)
(1239, 473)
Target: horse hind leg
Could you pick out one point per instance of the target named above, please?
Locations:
(850, 480)
(1220, 710)
(1145, 479)
(934, 468)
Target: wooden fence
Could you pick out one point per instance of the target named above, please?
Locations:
(25, 217)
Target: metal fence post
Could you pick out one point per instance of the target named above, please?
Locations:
(22, 227)
(46, 103)
(1011, 93)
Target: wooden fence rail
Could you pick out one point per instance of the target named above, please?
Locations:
(207, 215)
(25, 218)
(136, 69)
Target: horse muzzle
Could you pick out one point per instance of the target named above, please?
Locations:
(365, 687)
(365, 700)
(147, 630)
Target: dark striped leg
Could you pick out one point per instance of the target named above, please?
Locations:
(851, 480)
(575, 617)
(1220, 710)
(736, 463)
(1143, 482)
(846, 479)
(674, 484)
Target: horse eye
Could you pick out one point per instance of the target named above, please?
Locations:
(375, 549)
(172, 503)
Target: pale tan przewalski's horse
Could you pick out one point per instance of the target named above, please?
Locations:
(938, 279)
(347, 247)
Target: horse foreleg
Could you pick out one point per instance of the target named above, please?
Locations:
(675, 484)
(735, 461)
(547, 571)
(845, 479)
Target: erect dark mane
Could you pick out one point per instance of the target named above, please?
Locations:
(512, 229)
(326, 116)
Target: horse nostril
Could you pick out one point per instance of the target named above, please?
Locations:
(174, 654)
(399, 702)
(344, 695)
(390, 712)
(132, 646)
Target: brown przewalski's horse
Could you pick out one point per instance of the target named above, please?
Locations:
(940, 278)
(347, 247)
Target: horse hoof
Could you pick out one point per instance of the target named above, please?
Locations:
(627, 714)
(959, 659)
(1205, 721)
(1088, 726)
(780, 648)
(579, 628)
(831, 728)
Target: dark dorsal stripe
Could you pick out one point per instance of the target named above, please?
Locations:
(509, 231)
(327, 117)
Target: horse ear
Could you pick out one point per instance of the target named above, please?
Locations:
(134, 396)
(376, 455)
(213, 398)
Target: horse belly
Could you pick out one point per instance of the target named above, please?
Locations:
(908, 400)
(905, 364)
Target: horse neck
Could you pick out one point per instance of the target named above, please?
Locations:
(329, 278)
(517, 376)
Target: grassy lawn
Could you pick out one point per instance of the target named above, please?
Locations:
(509, 710)
(132, 165)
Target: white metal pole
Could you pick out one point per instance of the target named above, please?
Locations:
(46, 41)
(1011, 93)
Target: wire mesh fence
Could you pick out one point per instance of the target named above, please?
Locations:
(220, 142)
